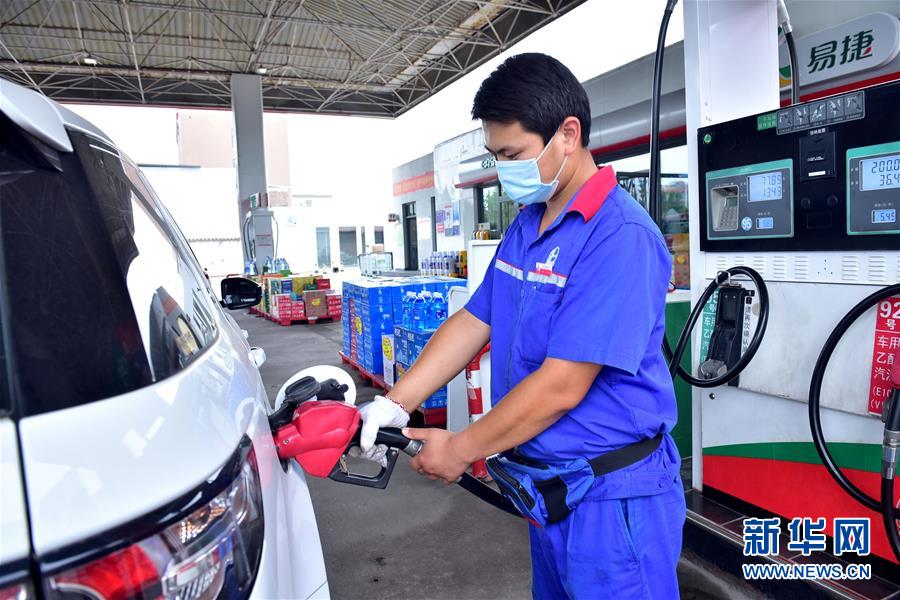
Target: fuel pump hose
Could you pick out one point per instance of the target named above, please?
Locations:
(655, 185)
(884, 504)
(889, 471)
(674, 357)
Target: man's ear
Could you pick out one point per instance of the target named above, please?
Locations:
(571, 130)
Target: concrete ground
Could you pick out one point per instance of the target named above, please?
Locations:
(418, 538)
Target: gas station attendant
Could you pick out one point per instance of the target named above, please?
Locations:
(573, 305)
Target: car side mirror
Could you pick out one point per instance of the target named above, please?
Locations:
(238, 292)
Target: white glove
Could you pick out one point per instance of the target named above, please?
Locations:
(380, 412)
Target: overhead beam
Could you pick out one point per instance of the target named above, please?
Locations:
(123, 10)
(186, 75)
(149, 4)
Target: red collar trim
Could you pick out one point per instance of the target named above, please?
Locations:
(594, 192)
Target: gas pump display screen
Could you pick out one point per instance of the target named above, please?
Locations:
(873, 189)
(751, 201)
(765, 187)
(884, 216)
(880, 173)
(773, 182)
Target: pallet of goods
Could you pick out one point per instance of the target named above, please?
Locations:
(297, 299)
(372, 309)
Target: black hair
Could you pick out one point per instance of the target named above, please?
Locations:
(536, 90)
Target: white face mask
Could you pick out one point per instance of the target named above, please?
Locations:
(521, 179)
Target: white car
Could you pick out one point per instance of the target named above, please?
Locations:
(137, 458)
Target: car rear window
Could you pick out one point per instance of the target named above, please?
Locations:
(101, 301)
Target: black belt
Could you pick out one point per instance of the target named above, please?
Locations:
(623, 457)
(554, 490)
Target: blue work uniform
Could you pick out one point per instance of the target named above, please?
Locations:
(592, 288)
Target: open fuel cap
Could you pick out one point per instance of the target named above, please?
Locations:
(321, 373)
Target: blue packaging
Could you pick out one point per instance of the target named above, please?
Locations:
(437, 400)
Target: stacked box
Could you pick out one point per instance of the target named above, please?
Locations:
(345, 323)
(371, 308)
(316, 304)
(282, 306)
(280, 285)
(299, 284)
(400, 346)
(334, 302)
(437, 400)
(323, 283)
(408, 345)
(299, 310)
(388, 358)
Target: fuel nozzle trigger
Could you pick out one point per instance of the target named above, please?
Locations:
(396, 442)
(342, 474)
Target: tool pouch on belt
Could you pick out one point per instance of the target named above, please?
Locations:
(547, 494)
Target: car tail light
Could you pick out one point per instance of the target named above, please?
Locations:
(212, 551)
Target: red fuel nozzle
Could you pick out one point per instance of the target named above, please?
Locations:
(318, 435)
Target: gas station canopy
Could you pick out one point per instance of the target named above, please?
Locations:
(376, 58)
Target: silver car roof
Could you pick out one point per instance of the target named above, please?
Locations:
(42, 117)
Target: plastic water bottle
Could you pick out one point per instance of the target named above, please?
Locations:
(269, 264)
(439, 309)
(418, 315)
(408, 301)
(427, 311)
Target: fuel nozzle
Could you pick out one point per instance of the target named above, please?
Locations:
(890, 416)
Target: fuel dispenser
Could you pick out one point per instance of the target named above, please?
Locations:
(807, 197)
(258, 231)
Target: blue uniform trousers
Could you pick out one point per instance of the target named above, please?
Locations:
(611, 548)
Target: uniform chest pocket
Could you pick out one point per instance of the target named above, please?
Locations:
(539, 304)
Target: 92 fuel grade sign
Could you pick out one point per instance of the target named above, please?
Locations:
(886, 347)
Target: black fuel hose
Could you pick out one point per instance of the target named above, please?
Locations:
(654, 178)
(815, 393)
(795, 72)
(891, 450)
(675, 359)
(655, 189)
(889, 515)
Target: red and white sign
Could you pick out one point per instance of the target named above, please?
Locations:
(887, 347)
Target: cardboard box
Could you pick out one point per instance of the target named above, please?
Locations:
(388, 358)
(281, 306)
(316, 304)
(299, 284)
(323, 283)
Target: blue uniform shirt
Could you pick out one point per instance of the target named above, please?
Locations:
(591, 288)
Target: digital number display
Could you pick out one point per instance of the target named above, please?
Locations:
(765, 223)
(766, 186)
(885, 215)
(879, 173)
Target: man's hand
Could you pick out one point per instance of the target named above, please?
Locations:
(380, 412)
(438, 458)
